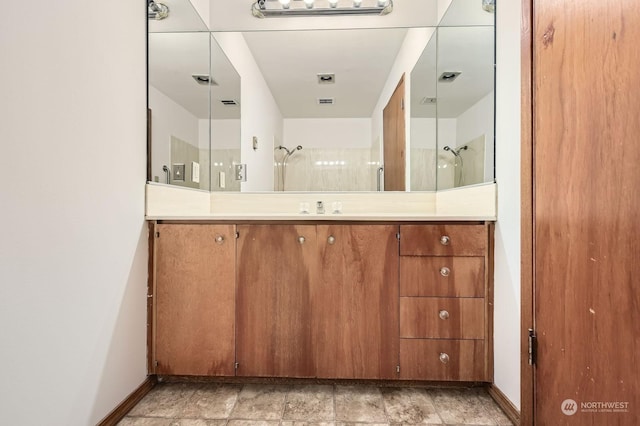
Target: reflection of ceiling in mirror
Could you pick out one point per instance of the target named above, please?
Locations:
(360, 59)
(175, 57)
(469, 50)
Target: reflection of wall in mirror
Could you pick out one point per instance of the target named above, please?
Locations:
(170, 120)
(473, 128)
(260, 114)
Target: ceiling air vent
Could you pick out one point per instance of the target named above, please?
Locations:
(228, 102)
(448, 76)
(427, 100)
(326, 78)
(326, 101)
(204, 79)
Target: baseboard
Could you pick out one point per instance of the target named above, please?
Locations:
(129, 402)
(503, 402)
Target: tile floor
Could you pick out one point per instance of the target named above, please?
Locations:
(192, 404)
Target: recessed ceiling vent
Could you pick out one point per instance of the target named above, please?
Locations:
(448, 76)
(204, 79)
(326, 78)
(228, 102)
(326, 101)
(427, 101)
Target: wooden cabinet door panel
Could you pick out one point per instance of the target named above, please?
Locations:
(442, 317)
(195, 300)
(355, 309)
(442, 359)
(275, 270)
(442, 276)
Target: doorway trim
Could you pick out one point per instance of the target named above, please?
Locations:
(527, 201)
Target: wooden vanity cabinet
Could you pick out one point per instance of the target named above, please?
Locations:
(446, 302)
(335, 301)
(194, 300)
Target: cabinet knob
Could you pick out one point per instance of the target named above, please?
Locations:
(331, 239)
(444, 271)
(443, 314)
(301, 239)
(219, 239)
(444, 358)
(445, 240)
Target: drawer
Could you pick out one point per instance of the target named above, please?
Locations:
(442, 318)
(442, 276)
(443, 240)
(434, 359)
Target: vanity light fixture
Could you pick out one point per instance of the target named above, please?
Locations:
(157, 11)
(489, 5)
(282, 8)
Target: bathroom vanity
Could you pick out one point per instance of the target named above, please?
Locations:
(334, 299)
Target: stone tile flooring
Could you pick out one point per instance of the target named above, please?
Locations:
(197, 404)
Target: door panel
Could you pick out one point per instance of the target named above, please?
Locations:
(195, 300)
(355, 310)
(586, 212)
(273, 300)
(394, 141)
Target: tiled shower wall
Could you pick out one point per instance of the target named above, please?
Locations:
(316, 169)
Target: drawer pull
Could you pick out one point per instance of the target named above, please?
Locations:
(301, 239)
(444, 271)
(444, 358)
(331, 239)
(445, 240)
(443, 314)
(219, 239)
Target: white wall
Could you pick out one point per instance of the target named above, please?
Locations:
(327, 132)
(477, 121)
(507, 240)
(225, 133)
(73, 256)
(169, 118)
(260, 114)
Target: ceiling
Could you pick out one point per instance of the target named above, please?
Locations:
(360, 59)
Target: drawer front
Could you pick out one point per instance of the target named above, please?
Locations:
(427, 359)
(443, 240)
(442, 318)
(442, 276)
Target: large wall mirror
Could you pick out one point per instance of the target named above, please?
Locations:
(194, 94)
(403, 106)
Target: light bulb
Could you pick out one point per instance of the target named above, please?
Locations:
(333, 3)
(308, 3)
(357, 3)
(382, 3)
(285, 3)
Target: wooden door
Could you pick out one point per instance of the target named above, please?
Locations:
(394, 141)
(355, 302)
(195, 300)
(587, 211)
(276, 264)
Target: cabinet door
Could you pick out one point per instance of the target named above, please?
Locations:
(276, 264)
(194, 299)
(355, 302)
